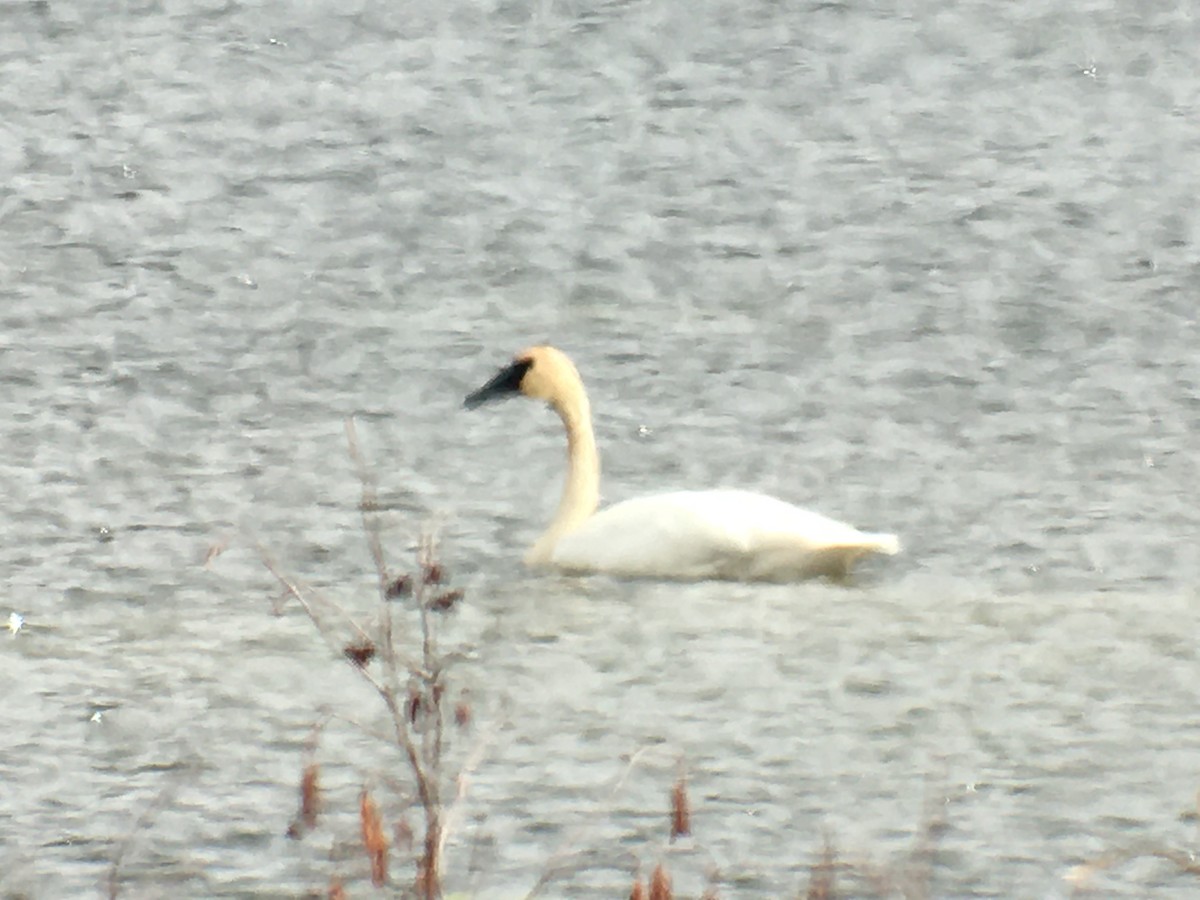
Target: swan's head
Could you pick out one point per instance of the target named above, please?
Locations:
(542, 373)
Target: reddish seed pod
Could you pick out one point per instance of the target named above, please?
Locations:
(310, 795)
(400, 586)
(360, 652)
(681, 814)
(445, 600)
(374, 841)
(402, 835)
(462, 714)
(660, 884)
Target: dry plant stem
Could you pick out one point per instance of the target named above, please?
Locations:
(919, 874)
(425, 763)
(310, 783)
(822, 874)
(385, 691)
(310, 795)
(140, 826)
(555, 865)
(910, 876)
(411, 690)
(297, 592)
(432, 669)
(462, 782)
(369, 504)
(681, 815)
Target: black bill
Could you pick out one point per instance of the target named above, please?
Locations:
(506, 382)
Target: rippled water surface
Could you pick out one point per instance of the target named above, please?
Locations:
(929, 267)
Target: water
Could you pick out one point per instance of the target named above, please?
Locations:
(928, 267)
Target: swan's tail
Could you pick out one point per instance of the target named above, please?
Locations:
(888, 544)
(836, 560)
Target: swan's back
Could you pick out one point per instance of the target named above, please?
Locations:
(715, 534)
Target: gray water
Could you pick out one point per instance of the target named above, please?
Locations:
(930, 267)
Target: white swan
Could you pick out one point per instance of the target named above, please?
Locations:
(726, 534)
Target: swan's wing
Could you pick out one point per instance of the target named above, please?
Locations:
(765, 518)
(658, 536)
(715, 534)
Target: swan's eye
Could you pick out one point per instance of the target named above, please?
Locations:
(507, 381)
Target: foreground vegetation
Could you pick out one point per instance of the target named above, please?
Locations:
(405, 817)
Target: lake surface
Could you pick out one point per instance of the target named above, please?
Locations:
(930, 267)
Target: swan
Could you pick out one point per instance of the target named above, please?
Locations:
(686, 535)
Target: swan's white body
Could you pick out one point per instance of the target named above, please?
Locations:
(692, 535)
(732, 535)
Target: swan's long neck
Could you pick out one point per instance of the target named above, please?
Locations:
(581, 492)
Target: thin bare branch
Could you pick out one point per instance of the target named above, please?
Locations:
(300, 594)
(124, 848)
(368, 506)
(555, 865)
(463, 783)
